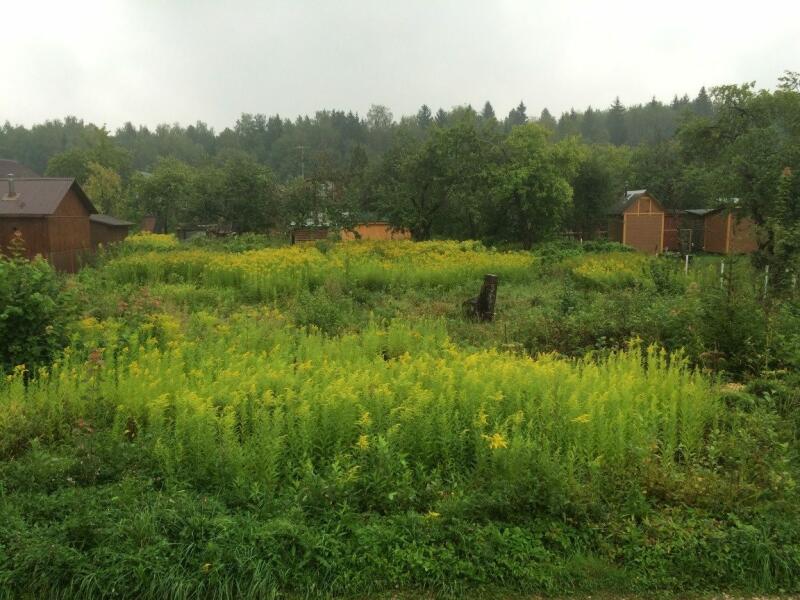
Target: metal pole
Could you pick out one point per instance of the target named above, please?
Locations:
(722, 273)
(686, 266)
(766, 280)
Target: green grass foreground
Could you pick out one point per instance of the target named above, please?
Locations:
(349, 433)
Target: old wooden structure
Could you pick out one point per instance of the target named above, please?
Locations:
(638, 221)
(728, 232)
(106, 229)
(684, 230)
(301, 235)
(53, 217)
(375, 230)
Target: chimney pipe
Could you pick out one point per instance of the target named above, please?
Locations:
(11, 190)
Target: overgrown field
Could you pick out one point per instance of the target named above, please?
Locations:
(230, 420)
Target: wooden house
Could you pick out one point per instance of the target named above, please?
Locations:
(638, 221)
(53, 217)
(726, 232)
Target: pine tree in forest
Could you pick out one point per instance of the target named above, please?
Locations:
(488, 111)
(615, 122)
(547, 120)
(424, 117)
(702, 105)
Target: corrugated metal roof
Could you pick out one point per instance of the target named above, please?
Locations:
(109, 220)
(630, 197)
(12, 167)
(39, 196)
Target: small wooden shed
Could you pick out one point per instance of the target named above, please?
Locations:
(106, 229)
(52, 217)
(55, 219)
(638, 221)
(375, 230)
(726, 232)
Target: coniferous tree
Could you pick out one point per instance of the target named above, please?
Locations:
(424, 117)
(615, 122)
(569, 124)
(702, 105)
(441, 117)
(488, 111)
(547, 120)
(517, 116)
(592, 128)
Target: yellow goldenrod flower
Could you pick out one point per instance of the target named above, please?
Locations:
(496, 441)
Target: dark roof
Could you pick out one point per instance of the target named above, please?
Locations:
(40, 196)
(630, 197)
(700, 212)
(12, 167)
(109, 220)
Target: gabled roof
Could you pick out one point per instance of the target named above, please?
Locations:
(39, 196)
(630, 197)
(12, 167)
(109, 220)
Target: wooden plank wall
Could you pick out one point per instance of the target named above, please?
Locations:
(34, 234)
(70, 234)
(643, 226)
(375, 231)
(106, 234)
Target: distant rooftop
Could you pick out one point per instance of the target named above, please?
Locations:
(12, 167)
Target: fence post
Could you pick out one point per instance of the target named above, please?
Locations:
(766, 281)
(686, 266)
(482, 307)
(722, 273)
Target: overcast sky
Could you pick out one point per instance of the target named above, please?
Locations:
(153, 61)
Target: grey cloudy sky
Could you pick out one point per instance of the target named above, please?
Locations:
(149, 61)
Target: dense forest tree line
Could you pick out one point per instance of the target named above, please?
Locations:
(449, 173)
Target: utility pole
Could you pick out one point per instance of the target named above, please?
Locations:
(302, 161)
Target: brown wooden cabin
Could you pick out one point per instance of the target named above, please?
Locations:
(726, 232)
(106, 230)
(375, 230)
(53, 218)
(638, 221)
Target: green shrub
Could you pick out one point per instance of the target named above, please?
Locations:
(33, 312)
